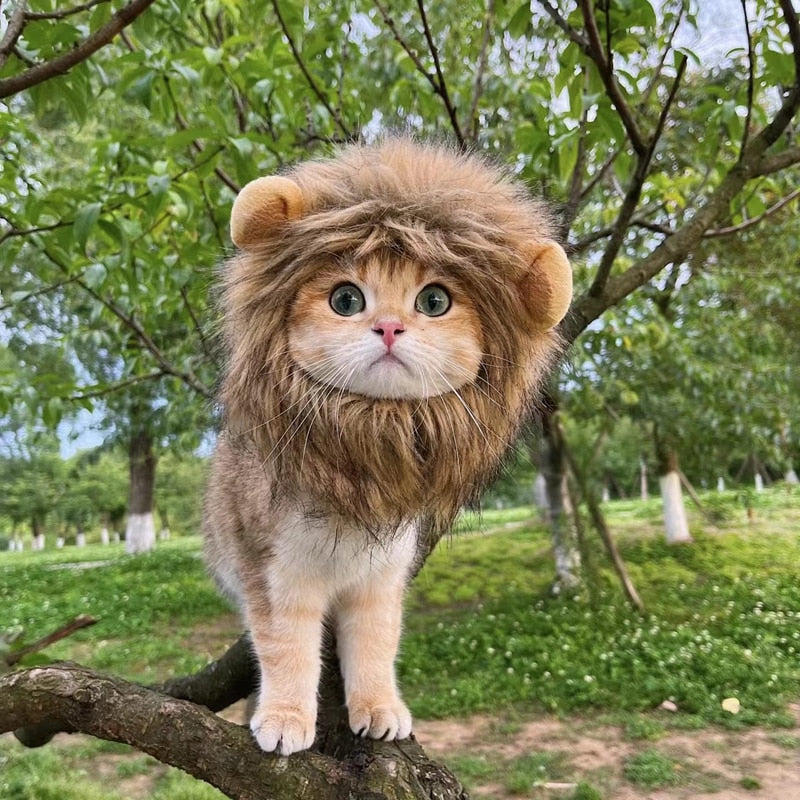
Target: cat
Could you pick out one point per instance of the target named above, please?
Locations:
(389, 322)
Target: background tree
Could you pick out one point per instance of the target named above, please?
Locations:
(647, 153)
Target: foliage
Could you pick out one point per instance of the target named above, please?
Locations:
(723, 620)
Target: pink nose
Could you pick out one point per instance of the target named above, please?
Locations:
(389, 330)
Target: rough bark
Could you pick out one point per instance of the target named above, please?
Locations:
(140, 534)
(175, 723)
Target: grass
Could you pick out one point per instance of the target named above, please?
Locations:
(651, 769)
(483, 634)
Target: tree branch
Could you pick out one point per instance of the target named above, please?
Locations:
(750, 223)
(44, 290)
(435, 80)
(442, 90)
(483, 58)
(571, 32)
(307, 75)
(634, 192)
(82, 621)
(194, 739)
(751, 68)
(65, 62)
(188, 377)
(67, 12)
(15, 25)
(605, 65)
(102, 391)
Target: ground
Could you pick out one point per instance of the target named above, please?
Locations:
(708, 763)
(544, 758)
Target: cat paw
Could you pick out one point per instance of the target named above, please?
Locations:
(380, 721)
(284, 731)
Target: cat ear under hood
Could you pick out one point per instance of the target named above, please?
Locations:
(262, 206)
(547, 288)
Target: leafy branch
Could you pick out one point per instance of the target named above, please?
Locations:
(58, 65)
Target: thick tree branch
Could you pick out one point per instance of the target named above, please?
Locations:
(65, 62)
(193, 738)
(768, 165)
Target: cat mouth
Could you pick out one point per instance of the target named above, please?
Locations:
(389, 360)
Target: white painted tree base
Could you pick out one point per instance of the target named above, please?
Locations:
(791, 476)
(676, 525)
(104, 537)
(140, 535)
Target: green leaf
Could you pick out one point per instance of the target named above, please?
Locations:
(95, 275)
(84, 221)
(519, 24)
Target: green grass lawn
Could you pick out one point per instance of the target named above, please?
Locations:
(483, 634)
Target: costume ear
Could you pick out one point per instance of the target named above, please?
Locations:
(547, 288)
(262, 206)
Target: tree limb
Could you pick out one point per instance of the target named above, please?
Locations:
(15, 25)
(82, 621)
(65, 62)
(194, 739)
(634, 191)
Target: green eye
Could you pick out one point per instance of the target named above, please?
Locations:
(347, 300)
(432, 301)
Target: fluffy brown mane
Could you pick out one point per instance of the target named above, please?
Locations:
(378, 462)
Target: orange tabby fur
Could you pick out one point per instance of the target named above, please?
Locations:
(305, 479)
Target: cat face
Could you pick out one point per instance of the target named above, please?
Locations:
(399, 332)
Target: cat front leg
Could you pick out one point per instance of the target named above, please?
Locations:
(287, 635)
(368, 623)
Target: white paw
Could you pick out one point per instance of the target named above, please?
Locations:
(387, 721)
(283, 730)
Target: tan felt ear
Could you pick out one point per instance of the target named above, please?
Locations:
(549, 285)
(262, 206)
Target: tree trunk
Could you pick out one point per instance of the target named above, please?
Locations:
(644, 492)
(553, 465)
(38, 534)
(676, 525)
(140, 534)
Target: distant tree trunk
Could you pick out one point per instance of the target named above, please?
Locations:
(676, 525)
(720, 484)
(38, 534)
(140, 534)
(553, 465)
(645, 494)
(790, 476)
